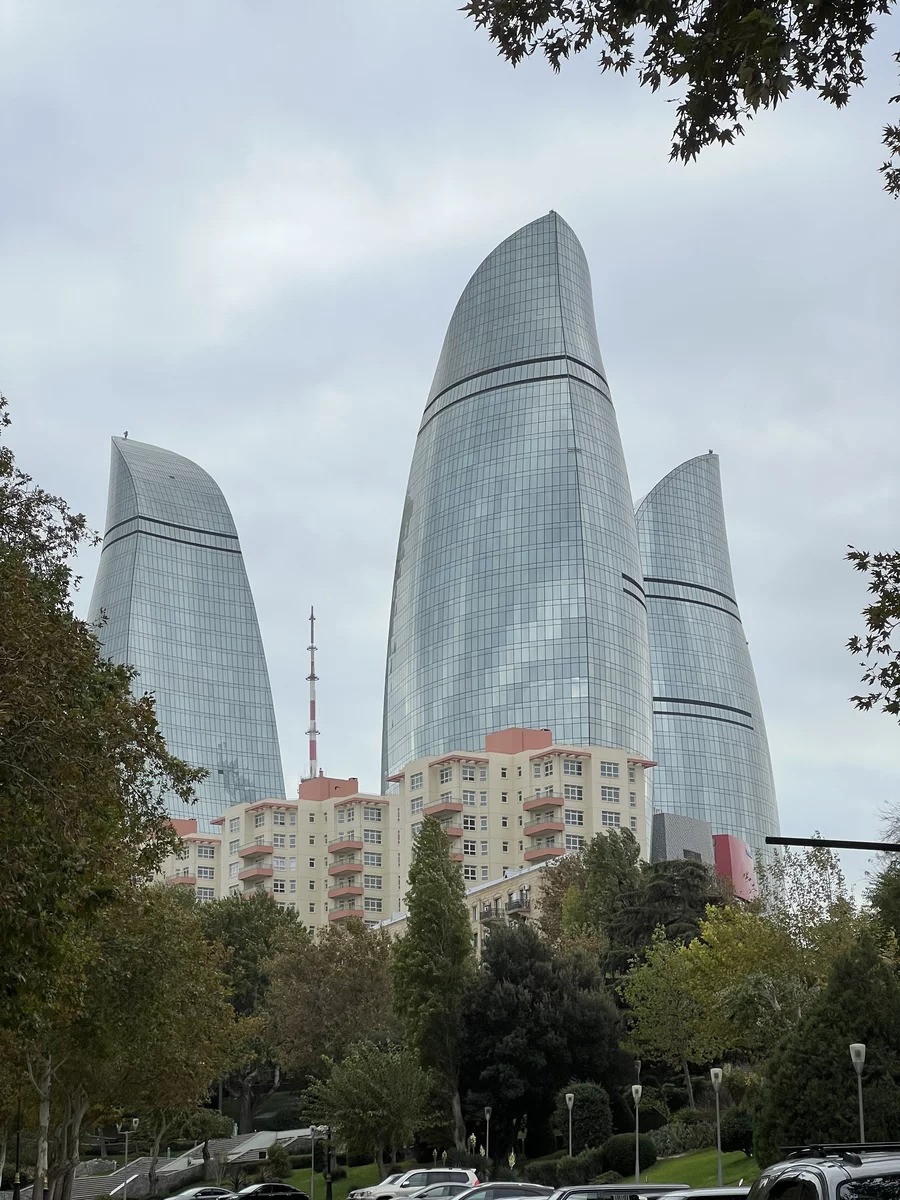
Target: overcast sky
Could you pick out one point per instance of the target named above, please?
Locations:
(237, 228)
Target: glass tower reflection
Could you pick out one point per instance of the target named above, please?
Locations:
(708, 731)
(517, 592)
(178, 608)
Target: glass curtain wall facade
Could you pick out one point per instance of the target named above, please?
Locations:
(708, 730)
(517, 593)
(176, 603)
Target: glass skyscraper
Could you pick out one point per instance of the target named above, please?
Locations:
(517, 593)
(709, 737)
(177, 606)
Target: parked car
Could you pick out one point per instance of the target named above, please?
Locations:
(440, 1191)
(386, 1182)
(713, 1193)
(833, 1172)
(272, 1191)
(601, 1191)
(413, 1181)
(204, 1192)
(505, 1190)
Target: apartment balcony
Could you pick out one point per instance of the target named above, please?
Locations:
(537, 802)
(519, 904)
(349, 866)
(256, 871)
(488, 913)
(254, 848)
(189, 880)
(454, 831)
(539, 854)
(343, 914)
(344, 889)
(543, 825)
(344, 845)
(454, 857)
(443, 806)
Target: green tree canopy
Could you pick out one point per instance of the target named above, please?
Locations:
(433, 964)
(534, 1019)
(591, 1116)
(880, 658)
(809, 1092)
(727, 62)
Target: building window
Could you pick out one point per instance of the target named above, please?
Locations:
(572, 766)
(206, 894)
(259, 819)
(520, 845)
(372, 836)
(278, 841)
(468, 773)
(372, 814)
(278, 818)
(632, 799)
(293, 840)
(574, 817)
(293, 885)
(503, 772)
(233, 847)
(341, 817)
(234, 824)
(609, 795)
(484, 872)
(482, 799)
(206, 872)
(415, 781)
(548, 767)
(312, 864)
(372, 858)
(278, 864)
(504, 796)
(519, 772)
(470, 872)
(609, 769)
(469, 822)
(469, 847)
(206, 852)
(446, 797)
(312, 818)
(373, 882)
(416, 806)
(414, 829)
(372, 904)
(573, 791)
(484, 823)
(537, 770)
(519, 797)
(632, 775)
(611, 820)
(505, 846)
(469, 799)
(484, 847)
(312, 906)
(278, 885)
(351, 815)
(292, 865)
(504, 822)
(482, 774)
(233, 869)
(446, 774)
(574, 841)
(521, 821)
(312, 839)
(312, 885)
(634, 823)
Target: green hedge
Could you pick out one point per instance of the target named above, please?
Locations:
(618, 1153)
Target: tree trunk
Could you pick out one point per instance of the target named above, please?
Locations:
(687, 1083)
(101, 1143)
(206, 1169)
(245, 1111)
(42, 1082)
(459, 1125)
(154, 1157)
(79, 1106)
(3, 1154)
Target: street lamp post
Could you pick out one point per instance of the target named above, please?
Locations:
(858, 1058)
(636, 1091)
(570, 1100)
(17, 1182)
(329, 1174)
(123, 1128)
(487, 1139)
(716, 1076)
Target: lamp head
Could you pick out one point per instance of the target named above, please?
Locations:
(858, 1054)
(487, 1112)
(715, 1075)
(636, 1091)
(135, 1121)
(570, 1100)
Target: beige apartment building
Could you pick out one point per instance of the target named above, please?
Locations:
(336, 852)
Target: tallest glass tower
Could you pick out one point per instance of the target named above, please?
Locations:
(518, 598)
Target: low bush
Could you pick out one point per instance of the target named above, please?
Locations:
(339, 1172)
(678, 1137)
(463, 1159)
(618, 1153)
(569, 1171)
(591, 1162)
(737, 1132)
(609, 1177)
(542, 1171)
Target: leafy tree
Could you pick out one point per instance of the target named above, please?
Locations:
(83, 766)
(328, 993)
(375, 1099)
(433, 964)
(251, 931)
(591, 1117)
(810, 1086)
(666, 1021)
(880, 659)
(278, 1163)
(883, 895)
(729, 62)
(737, 1132)
(203, 1126)
(534, 1020)
(560, 906)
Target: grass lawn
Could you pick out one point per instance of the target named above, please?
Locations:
(698, 1169)
(356, 1177)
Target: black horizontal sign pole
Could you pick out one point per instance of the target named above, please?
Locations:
(832, 843)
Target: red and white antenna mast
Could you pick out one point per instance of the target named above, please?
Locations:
(312, 733)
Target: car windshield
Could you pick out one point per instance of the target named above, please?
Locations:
(876, 1187)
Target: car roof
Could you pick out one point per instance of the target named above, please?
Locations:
(710, 1193)
(624, 1189)
(852, 1161)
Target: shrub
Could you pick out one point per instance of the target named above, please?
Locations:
(277, 1164)
(591, 1115)
(609, 1177)
(358, 1160)
(618, 1153)
(541, 1171)
(688, 1116)
(737, 1131)
(678, 1137)
(339, 1172)
(463, 1159)
(591, 1161)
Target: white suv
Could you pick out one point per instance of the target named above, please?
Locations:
(396, 1186)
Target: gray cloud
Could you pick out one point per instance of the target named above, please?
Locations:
(238, 230)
